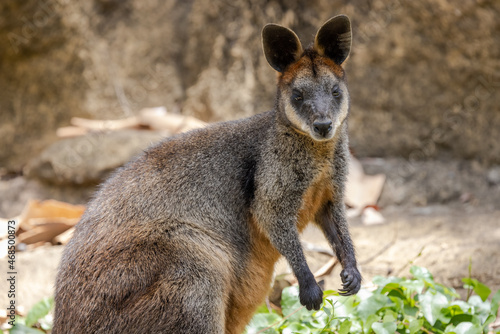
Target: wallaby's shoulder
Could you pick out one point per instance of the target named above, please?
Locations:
(218, 138)
(206, 162)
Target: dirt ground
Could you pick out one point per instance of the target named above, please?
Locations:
(462, 228)
(443, 239)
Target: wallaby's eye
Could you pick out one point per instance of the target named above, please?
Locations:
(297, 96)
(336, 92)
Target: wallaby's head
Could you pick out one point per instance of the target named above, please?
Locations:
(312, 91)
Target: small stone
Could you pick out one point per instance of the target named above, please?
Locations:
(493, 175)
(371, 216)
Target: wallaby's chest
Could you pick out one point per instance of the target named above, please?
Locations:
(315, 196)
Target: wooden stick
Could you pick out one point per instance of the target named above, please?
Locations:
(94, 124)
(327, 268)
(71, 131)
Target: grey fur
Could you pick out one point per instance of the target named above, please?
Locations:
(183, 239)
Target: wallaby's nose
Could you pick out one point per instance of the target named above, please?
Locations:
(322, 128)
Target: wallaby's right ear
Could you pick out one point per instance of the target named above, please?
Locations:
(281, 46)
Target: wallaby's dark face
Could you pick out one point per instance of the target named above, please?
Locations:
(312, 90)
(316, 100)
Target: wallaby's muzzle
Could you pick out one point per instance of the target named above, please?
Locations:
(322, 128)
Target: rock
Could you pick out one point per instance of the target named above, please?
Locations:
(16, 192)
(433, 182)
(89, 159)
(371, 216)
(422, 77)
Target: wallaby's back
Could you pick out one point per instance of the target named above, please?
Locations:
(182, 205)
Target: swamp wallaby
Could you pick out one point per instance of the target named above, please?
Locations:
(184, 238)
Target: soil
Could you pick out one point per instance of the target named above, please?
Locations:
(444, 239)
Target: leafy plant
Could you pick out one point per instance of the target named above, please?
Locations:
(37, 321)
(396, 305)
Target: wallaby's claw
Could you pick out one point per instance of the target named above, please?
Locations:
(351, 281)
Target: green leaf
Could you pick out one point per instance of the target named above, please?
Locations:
(343, 306)
(421, 273)
(390, 316)
(326, 309)
(399, 304)
(394, 290)
(464, 306)
(431, 304)
(383, 281)
(452, 310)
(459, 318)
(413, 286)
(415, 325)
(327, 293)
(318, 320)
(290, 299)
(398, 293)
(384, 328)
(391, 286)
(488, 321)
(262, 309)
(296, 328)
(450, 293)
(480, 308)
(39, 310)
(261, 321)
(479, 288)
(495, 302)
(412, 311)
(20, 320)
(464, 328)
(290, 303)
(345, 327)
(468, 282)
(372, 318)
(371, 305)
(22, 329)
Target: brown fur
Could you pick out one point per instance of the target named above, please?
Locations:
(256, 282)
(184, 238)
(295, 70)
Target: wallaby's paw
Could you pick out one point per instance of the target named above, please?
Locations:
(351, 281)
(311, 296)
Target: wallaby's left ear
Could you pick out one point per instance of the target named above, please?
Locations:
(333, 39)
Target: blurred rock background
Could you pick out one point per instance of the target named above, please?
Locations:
(424, 75)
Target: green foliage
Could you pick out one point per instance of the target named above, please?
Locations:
(397, 305)
(479, 288)
(37, 321)
(39, 311)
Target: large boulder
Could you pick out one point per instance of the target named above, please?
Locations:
(422, 74)
(89, 159)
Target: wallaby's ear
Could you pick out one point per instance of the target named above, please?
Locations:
(333, 39)
(281, 46)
